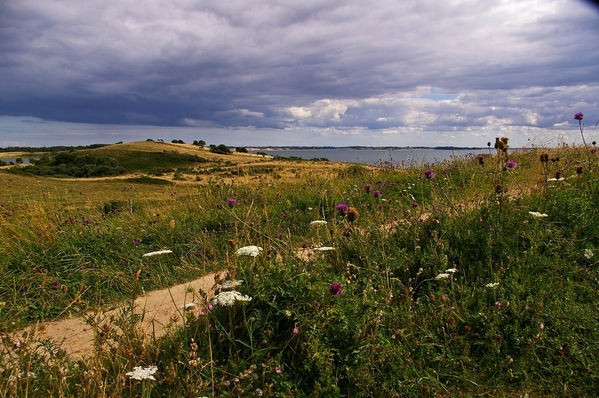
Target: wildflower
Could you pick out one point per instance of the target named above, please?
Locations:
(258, 392)
(323, 249)
(248, 251)
(429, 174)
(279, 235)
(295, 330)
(498, 189)
(377, 194)
(510, 164)
(230, 284)
(451, 270)
(491, 228)
(318, 222)
(414, 204)
(558, 175)
(588, 254)
(481, 158)
(492, 285)
(542, 326)
(228, 298)
(443, 297)
(578, 116)
(157, 253)
(140, 373)
(352, 214)
(544, 158)
(342, 208)
(442, 276)
(277, 370)
(335, 288)
(136, 241)
(56, 284)
(498, 303)
(537, 214)
(367, 187)
(231, 202)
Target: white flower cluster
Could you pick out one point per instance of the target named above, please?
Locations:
(492, 285)
(229, 298)
(140, 373)
(537, 214)
(159, 252)
(446, 274)
(588, 254)
(323, 249)
(318, 222)
(230, 284)
(248, 251)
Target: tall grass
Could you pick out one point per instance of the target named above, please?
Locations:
(451, 286)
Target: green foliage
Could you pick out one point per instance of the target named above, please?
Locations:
(450, 287)
(220, 149)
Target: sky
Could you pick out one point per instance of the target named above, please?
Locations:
(298, 72)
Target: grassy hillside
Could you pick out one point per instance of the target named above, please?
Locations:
(473, 277)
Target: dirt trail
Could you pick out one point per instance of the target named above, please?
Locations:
(161, 308)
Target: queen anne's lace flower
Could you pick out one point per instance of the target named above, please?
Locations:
(537, 214)
(451, 270)
(442, 276)
(140, 373)
(323, 249)
(318, 222)
(159, 252)
(229, 298)
(248, 251)
(492, 285)
(230, 284)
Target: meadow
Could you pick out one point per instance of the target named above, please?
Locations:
(472, 277)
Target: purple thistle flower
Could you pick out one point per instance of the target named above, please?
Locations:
(231, 202)
(429, 174)
(578, 116)
(342, 208)
(335, 288)
(511, 164)
(377, 194)
(136, 241)
(414, 204)
(280, 235)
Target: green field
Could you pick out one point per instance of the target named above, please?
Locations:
(475, 277)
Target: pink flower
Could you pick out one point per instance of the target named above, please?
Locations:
(511, 164)
(542, 326)
(429, 174)
(277, 370)
(578, 116)
(295, 330)
(335, 288)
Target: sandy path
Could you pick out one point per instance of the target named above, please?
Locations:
(161, 308)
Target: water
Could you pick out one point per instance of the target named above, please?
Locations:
(14, 160)
(395, 157)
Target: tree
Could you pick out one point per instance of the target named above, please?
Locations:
(202, 143)
(241, 149)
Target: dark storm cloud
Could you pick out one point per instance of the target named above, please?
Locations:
(349, 65)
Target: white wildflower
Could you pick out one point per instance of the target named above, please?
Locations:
(537, 214)
(442, 276)
(309, 208)
(229, 298)
(323, 249)
(492, 285)
(318, 222)
(451, 270)
(248, 251)
(188, 306)
(140, 373)
(230, 284)
(588, 254)
(159, 252)
(555, 179)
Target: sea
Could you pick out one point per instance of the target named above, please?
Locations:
(395, 157)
